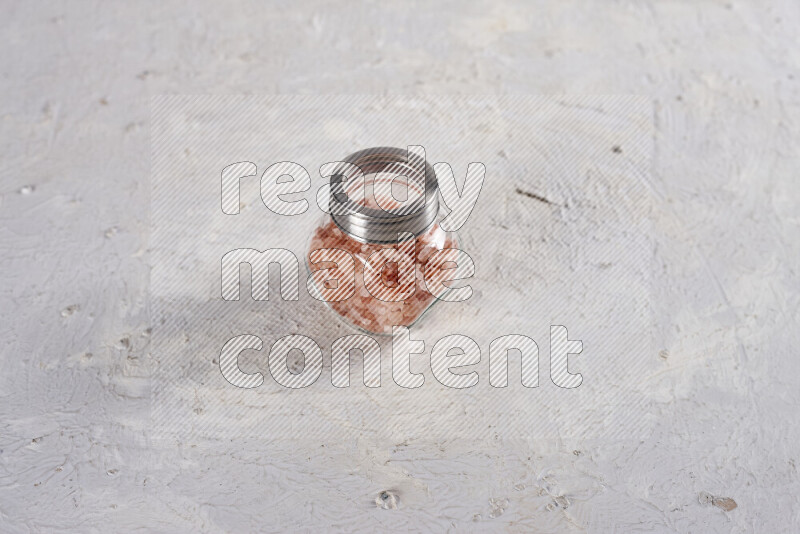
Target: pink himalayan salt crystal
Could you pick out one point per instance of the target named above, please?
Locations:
(362, 309)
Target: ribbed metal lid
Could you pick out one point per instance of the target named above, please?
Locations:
(360, 215)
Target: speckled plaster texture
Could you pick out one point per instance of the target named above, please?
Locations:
(76, 451)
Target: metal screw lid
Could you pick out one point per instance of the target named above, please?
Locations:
(367, 219)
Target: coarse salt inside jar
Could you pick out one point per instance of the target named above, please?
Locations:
(377, 259)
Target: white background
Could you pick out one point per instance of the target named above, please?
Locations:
(75, 450)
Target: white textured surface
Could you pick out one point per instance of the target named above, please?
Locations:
(74, 449)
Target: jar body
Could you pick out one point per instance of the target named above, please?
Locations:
(390, 294)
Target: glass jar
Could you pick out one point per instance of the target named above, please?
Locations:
(376, 260)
